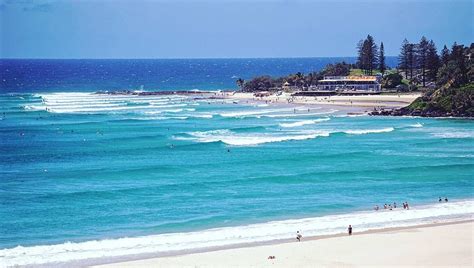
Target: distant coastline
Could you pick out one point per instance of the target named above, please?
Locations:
(445, 81)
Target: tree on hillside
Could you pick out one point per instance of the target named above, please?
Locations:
(367, 58)
(421, 57)
(457, 54)
(392, 80)
(360, 55)
(407, 58)
(240, 83)
(382, 66)
(470, 55)
(260, 83)
(311, 79)
(411, 54)
(299, 79)
(371, 51)
(403, 57)
(338, 69)
(455, 73)
(445, 55)
(432, 61)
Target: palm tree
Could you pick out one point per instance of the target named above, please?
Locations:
(299, 79)
(309, 80)
(240, 83)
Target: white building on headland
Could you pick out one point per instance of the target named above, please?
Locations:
(350, 83)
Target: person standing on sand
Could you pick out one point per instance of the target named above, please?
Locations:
(349, 230)
(298, 236)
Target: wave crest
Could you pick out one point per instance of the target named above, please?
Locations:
(247, 139)
(368, 131)
(303, 122)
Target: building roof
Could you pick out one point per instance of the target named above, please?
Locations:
(359, 78)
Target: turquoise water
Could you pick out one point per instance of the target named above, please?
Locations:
(94, 167)
(86, 176)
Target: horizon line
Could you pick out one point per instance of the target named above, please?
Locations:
(196, 58)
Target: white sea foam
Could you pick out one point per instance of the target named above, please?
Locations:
(247, 139)
(417, 125)
(66, 96)
(218, 237)
(99, 110)
(34, 107)
(351, 115)
(169, 105)
(254, 113)
(153, 112)
(303, 122)
(251, 139)
(448, 134)
(145, 118)
(91, 105)
(173, 110)
(368, 131)
(78, 102)
(201, 115)
(299, 114)
(178, 117)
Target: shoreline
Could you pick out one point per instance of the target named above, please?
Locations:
(129, 249)
(369, 101)
(360, 102)
(347, 104)
(231, 249)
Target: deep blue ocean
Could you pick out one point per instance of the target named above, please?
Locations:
(164, 74)
(86, 175)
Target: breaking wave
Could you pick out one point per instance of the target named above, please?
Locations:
(417, 125)
(251, 139)
(246, 139)
(303, 122)
(76, 102)
(368, 131)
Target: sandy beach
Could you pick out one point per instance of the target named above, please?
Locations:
(441, 245)
(362, 102)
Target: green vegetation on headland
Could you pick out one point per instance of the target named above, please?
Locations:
(456, 102)
(445, 79)
(453, 85)
(293, 82)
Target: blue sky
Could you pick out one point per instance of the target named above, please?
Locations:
(223, 28)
